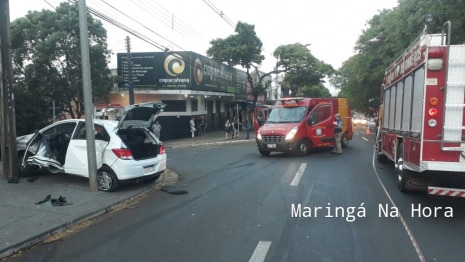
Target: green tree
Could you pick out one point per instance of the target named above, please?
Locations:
(388, 34)
(47, 58)
(244, 48)
(318, 90)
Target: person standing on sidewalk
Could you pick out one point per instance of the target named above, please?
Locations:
(192, 126)
(203, 127)
(247, 127)
(156, 129)
(338, 124)
(227, 127)
(233, 128)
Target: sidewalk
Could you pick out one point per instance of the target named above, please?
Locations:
(213, 138)
(23, 223)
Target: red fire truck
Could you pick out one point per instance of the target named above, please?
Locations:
(421, 124)
(298, 124)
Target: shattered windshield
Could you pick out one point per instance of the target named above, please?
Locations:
(287, 114)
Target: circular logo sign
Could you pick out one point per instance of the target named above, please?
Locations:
(174, 65)
(198, 71)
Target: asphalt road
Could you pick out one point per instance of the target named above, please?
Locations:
(239, 208)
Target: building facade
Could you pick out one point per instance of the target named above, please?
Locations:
(189, 84)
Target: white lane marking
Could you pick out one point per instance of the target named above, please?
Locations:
(365, 139)
(260, 251)
(357, 134)
(409, 232)
(299, 174)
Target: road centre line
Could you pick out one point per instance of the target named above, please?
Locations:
(365, 139)
(299, 174)
(260, 251)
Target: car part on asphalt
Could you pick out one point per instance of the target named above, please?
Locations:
(47, 198)
(173, 190)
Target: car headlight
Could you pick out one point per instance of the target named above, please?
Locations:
(259, 136)
(292, 133)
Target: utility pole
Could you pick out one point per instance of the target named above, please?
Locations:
(88, 106)
(129, 59)
(9, 151)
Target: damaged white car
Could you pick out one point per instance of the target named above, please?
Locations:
(125, 149)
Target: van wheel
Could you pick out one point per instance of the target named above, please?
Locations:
(302, 148)
(107, 180)
(401, 173)
(264, 153)
(344, 140)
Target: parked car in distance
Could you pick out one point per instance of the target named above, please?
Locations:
(125, 150)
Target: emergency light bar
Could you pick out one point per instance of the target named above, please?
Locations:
(288, 99)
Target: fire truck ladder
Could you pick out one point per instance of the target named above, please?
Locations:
(454, 95)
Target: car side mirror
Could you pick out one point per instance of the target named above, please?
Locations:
(261, 122)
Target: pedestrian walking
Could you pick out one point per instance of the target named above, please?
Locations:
(338, 124)
(227, 127)
(233, 129)
(203, 127)
(156, 129)
(192, 126)
(247, 127)
(236, 128)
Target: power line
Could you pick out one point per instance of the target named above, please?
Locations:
(142, 25)
(180, 21)
(220, 13)
(49, 4)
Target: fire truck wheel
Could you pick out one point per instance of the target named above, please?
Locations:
(344, 140)
(400, 171)
(264, 153)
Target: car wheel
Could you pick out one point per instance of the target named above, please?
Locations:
(344, 141)
(302, 148)
(264, 153)
(107, 180)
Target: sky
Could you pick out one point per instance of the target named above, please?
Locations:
(331, 27)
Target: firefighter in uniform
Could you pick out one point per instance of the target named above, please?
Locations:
(338, 124)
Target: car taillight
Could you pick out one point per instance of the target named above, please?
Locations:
(123, 153)
(161, 150)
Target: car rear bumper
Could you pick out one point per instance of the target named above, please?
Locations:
(132, 169)
(284, 146)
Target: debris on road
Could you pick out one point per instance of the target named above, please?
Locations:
(32, 179)
(173, 190)
(13, 180)
(47, 198)
(61, 201)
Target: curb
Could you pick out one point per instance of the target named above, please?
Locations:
(214, 143)
(5, 253)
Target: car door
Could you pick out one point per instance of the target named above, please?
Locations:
(140, 115)
(46, 155)
(259, 119)
(320, 127)
(76, 158)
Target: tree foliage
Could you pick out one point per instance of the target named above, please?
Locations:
(47, 62)
(388, 34)
(244, 48)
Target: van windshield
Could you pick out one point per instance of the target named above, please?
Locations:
(287, 115)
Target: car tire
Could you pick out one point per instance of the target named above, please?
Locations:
(302, 148)
(107, 179)
(344, 140)
(264, 153)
